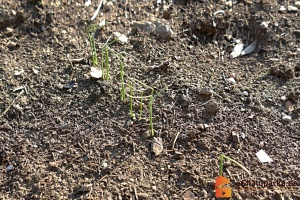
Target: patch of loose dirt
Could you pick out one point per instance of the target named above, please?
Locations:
(81, 143)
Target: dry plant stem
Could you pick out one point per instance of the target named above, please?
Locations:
(136, 90)
(78, 60)
(137, 81)
(137, 97)
(97, 11)
(10, 105)
(173, 145)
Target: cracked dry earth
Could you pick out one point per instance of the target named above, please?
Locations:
(64, 135)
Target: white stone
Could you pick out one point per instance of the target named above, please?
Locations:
(245, 93)
(121, 38)
(283, 98)
(292, 9)
(9, 167)
(282, 9)
(237, 50)
(95, 72)
(231, 80)
(161, 29)
(104, 165)
(263, 157)
(286, 118)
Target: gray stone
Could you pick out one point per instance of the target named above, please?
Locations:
(161, 29)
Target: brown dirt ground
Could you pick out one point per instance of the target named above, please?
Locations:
(81, 143)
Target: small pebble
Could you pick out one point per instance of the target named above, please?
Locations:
(264, 25)
(157, 145)
(9, 167)
(297, 34)
(11, 44)
(289, 106)
(261, 144)
(292, 9)
(245, 93)
(228, 3)
(129, 123)
(235, 137)
(286, 118)
(204, 193)
(231, 80)
(282, 9)
(206, 126)
(243, 135)
(283, 98)
(146, 135)
(104, 165)
(201, 127)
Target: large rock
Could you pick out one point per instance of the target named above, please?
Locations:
(159, 28)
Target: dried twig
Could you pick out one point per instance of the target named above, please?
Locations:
(173, 145)
(97, 11)
(78, 60)
(11, 104)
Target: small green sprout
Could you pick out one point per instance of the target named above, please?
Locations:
(222, 161)
(91, 36)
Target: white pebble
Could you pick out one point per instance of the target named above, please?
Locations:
(231, 80)
(245, 93)
(9, 167)
(282, 8)
(283, 98)
(104, 165)
(286, 118)
(292, 9)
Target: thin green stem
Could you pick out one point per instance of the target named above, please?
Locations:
(102, 59)
(106, 63)
(131, 111)
(138, 81)
(238, 164)
(150, 113)
(91, 36)
(141, 106)
(123, 96)
(221, 165)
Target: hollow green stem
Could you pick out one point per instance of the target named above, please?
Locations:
(150, 113)
(235, 162)
(141, 106)
(123, 96)
(131, 112)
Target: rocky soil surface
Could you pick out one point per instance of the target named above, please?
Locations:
(225, 77)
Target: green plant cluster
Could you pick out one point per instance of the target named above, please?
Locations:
(130, 88)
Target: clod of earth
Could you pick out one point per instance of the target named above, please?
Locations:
(157, 145)
(283, 71)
